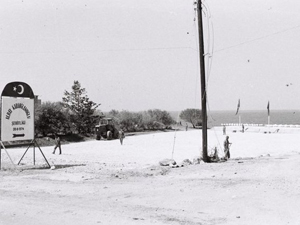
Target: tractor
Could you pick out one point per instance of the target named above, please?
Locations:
(106, 129)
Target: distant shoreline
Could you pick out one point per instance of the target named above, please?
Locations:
(219, 117)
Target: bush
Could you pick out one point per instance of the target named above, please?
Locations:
(192, 116)
(50, 118)
(140, 121)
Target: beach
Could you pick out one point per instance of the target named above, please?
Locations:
(104, 182)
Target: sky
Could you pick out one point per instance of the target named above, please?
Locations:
(138, 55)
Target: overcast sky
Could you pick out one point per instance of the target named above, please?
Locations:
(140, 54)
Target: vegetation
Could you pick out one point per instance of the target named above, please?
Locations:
(140, 121)
(80, 108)
(192, 116)
(51, 118)
(78, 115)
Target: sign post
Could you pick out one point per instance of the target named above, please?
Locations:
(17, 117)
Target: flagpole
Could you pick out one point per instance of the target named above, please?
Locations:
(237, 111)
(268, 108)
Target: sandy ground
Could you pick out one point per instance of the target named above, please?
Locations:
(102, 182)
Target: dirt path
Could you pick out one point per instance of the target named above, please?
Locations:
(247, 191)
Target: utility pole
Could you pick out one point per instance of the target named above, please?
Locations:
(203, 82)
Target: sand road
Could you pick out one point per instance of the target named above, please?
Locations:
(106, 183)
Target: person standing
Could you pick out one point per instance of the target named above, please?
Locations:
(227, 145)
(57, 144)
(224, 130)
(121, 136)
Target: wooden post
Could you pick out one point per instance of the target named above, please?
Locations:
(203, 82)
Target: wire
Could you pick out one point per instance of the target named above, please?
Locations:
(210, 41)
(209, 58)
(259, 38)
(177, 121)
(174, 141)
(106, 50)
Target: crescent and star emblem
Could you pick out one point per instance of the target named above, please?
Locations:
(22, 89)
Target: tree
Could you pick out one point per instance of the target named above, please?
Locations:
(50, 118)
(192, 116)
(163, 117)
(114, 113)
(157, 119)
(129, 121)
(139, 121)
(82, 109)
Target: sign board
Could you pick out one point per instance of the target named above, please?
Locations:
(17, 116)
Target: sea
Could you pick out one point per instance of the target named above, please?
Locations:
(285, 117)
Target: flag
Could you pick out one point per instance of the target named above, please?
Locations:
(268, 108)
(238, 107)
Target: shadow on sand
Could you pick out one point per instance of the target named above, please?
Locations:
(42, 167)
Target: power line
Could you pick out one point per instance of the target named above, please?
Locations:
(259, 38)
(95, 51)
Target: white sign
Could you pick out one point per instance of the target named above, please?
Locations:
(17, 119)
